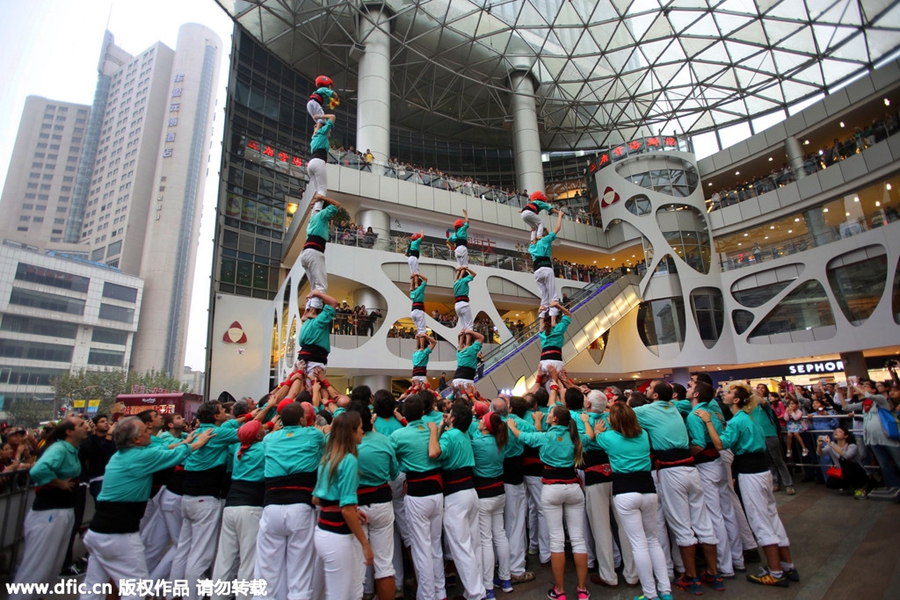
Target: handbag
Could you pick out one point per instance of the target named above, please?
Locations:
(890, 422)
(835, 472)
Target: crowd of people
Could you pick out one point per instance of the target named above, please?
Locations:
(355, 321)
(317, 482)
(859, 140)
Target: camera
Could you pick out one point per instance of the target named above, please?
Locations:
(891, 364)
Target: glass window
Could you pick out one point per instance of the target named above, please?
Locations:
(661, 322)
(754, 297)
(804, 308)
(116, 313)
(35, 351)
(709, 314)
(742, 320)
(858, 286)
(102, 335)
(36, 326)
(113, 249)
(43, 276)
(106, 358)
(119, 292)
(45, 301)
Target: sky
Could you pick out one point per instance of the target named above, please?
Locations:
(51, 49)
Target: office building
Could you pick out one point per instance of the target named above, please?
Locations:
(129, 191)
(60, 314)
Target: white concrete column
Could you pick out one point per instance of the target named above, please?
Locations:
(526, 139)
(380, 222)
(795, 156)
(373, 112)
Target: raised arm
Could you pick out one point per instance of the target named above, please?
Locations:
(324, 298)
(561, 308)
(466, 215)
(434, 442)
(476, 335)
(559, 218)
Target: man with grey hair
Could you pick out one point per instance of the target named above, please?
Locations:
(598, 495)
(116, 550)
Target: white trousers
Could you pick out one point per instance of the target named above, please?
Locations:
(637, 513)
(401, 528)
(313, 263)
(538, 534)
(762, 513)
(713, 482)
(199, 537)
(424, 515)
(236, 558)
(342, 561)
(534, 222)
(318, 182)
(673, 559)
(379, 531)
(418, 317)
(598, 502)
(285, 550)
(464, 539)
(546, 282)
(717, 502)
(559, 500)
(686, 513)
(514, 516)
(556, 364)
(462, 256)
(740, 527)
(113, 556)
(413, 264)
(464, 314)
(166, 567)
(154, 533)
(46, 539)
(493, 538)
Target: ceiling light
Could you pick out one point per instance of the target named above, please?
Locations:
(771, 227)
(846, 214)
(765, 238)
(737, 172)
(842, 124)
(740, 244)
(887, 102)
(888, 187)
(790, 231)
(770, 159)
(877, 203)
(746, 235)
(806, 142)
(797, 220)
(856, 199)
(709, 184)
(825, 209)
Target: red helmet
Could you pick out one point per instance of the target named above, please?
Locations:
(458, 223)
(539, 195)
(415, 236)
(323, 81)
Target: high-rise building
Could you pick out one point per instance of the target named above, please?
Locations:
(39, 188)
(132, 169)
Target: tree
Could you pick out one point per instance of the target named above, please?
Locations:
(106, 385)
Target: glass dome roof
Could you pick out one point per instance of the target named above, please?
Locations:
(605, 70)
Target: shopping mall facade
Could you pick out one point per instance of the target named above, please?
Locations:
(774, 256)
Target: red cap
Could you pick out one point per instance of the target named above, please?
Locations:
(481, 409)
(458, 223)
(539, 195)
(486, 419)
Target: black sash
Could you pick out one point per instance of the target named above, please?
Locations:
(426, 483)
(540, 262)
(457, 480)
(316, 243)
(331, 518)
(752, 462)
(551, 353)
(295, 488)
(557, 476)
(312, 353)
(639, 481)
(118, 517)
(513, 471)
(464, 373)
(489, 487)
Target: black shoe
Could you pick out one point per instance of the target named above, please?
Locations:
(751, 556)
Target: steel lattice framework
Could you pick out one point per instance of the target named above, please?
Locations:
(606, 70)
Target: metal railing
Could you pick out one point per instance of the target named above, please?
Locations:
(530, 332)
(812, 163)
(14, 490)
(759, 253)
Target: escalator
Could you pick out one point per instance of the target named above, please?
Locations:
(594, 311)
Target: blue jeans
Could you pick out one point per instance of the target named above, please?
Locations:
(888, 458)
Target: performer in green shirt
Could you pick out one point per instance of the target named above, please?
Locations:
(459, 240)
(312, 257)
(530, 212)
(412, 253)
(541, 251)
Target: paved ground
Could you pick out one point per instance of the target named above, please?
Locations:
(843, 548)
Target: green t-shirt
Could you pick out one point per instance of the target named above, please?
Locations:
(456, 450)
(320, 139)
(377, 461)
(488, 458)
(411, 447)
(129, 472)
(342, 488)
(418, 294)
(542, 248)
(626, 455)
(557, 336)
(420, 357)
(317, 331)
(459, 234)
(744, 435)
(468, 357)
(461, 285)
(293, 449)
(318, 223)
(664, 425)
(555, 445)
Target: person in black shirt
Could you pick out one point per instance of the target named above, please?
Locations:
(95, 452)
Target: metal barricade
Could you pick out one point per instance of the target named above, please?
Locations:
(15, 499)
